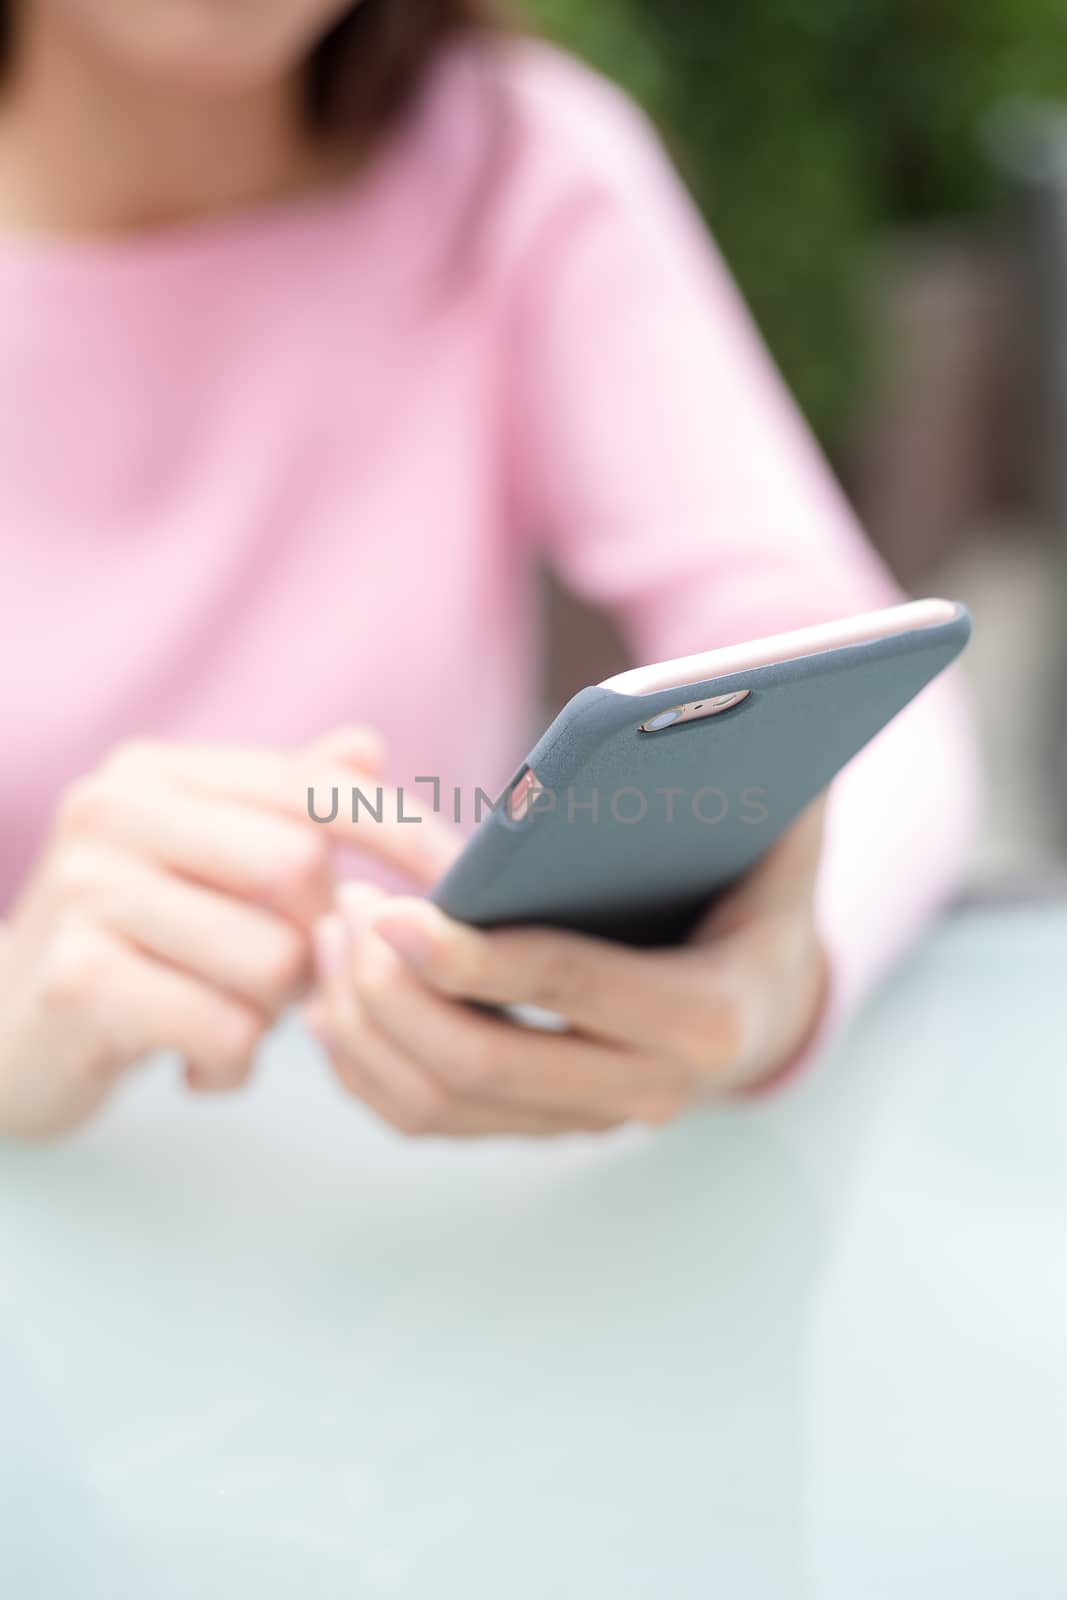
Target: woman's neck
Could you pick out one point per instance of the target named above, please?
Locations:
(87, 148)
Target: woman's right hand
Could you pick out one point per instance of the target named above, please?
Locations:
(172, 908)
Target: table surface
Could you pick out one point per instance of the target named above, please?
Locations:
(815, 1347)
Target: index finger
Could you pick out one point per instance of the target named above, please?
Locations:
(349, 803)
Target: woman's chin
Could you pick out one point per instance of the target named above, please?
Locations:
(213, 67)
(223, 49)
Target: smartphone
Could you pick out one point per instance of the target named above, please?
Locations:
(654, 791)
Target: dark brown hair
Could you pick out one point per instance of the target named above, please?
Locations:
(366, 69)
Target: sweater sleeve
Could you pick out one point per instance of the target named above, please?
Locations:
(666, 473)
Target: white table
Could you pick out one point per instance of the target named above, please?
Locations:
(815, 1348)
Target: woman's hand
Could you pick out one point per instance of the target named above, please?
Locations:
(650, 1032)
(172, 908)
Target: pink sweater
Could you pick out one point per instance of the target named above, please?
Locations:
(268, 474)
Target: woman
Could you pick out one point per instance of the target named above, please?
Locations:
(319, 325)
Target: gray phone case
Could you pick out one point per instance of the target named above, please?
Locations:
(605, 848)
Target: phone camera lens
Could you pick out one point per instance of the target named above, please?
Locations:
(662, 719)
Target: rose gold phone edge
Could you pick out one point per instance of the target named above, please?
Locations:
(797, 643)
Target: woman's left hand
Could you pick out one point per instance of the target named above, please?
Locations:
(650, 1032)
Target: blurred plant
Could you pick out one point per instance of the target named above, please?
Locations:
(806, 130)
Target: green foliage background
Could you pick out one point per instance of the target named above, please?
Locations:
(806, 130)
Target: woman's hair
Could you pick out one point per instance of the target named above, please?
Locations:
(368, 66)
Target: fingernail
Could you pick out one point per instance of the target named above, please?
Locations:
(361, 743)
(405, 936)
(331, 940)
(357, 903)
